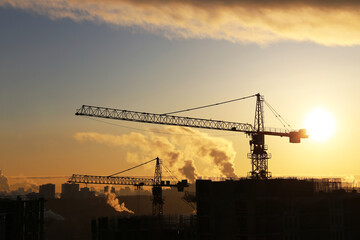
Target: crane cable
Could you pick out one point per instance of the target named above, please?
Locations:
(132, 167)
(278, 116)
(210, 105)
(171, 174)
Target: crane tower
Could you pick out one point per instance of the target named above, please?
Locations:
(158, 202)
(259, 156)
(156, 183)
(258, 150)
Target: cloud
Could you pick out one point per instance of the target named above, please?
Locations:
(182, 150)
(328, 22)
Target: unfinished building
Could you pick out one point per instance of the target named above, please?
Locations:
(284, 209)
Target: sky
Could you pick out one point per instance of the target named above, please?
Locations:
(161, 56)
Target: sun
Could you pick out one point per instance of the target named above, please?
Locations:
(320, 124)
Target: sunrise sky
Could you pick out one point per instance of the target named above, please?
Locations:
(159, 56)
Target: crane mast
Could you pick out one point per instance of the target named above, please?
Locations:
(258, 150)
(158, 201)
(258, 155)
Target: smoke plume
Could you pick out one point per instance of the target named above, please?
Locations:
(114, 202)
(24, 183)
(188, 171)
(183, 150)
(214, 152)
(222, 160)
(148, 145)
(4, 185)
(328, 22)
(352, 180)
(20, 185)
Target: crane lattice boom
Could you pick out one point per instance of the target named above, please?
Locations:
(165, 119)
(91, 179)
(134, 116)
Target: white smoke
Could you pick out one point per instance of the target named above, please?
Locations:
(112, 200)
(4, 185)
(183, 150)
(28, 185)
(188, 171)
(351, 180)
(216, 153)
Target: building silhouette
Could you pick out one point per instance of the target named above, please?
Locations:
(21, 219)
(284, 209)
(70, 191)
(245, 209)
(167, 227)
(47, 191)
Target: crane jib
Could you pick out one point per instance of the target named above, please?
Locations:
(126, 115)
(165, 119)
(133, 181)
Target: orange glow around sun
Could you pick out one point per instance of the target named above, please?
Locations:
(320, 124)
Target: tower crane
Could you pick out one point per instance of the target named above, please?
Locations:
(258, 150)
(156, 183)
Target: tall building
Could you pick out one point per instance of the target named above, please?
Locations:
(47, 191)
(85, 193)
(276, 209)
(70, 191)
(21, 219)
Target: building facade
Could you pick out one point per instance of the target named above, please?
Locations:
(21, 219)
(276, 209)
(47, 191)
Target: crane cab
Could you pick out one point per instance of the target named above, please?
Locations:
(296, 136)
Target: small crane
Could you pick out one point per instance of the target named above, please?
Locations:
(258, 150)
(156, 183)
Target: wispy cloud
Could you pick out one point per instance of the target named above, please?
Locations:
(327, 22)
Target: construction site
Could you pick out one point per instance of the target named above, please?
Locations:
(255, 207)
(250, 209)
(179, 120)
